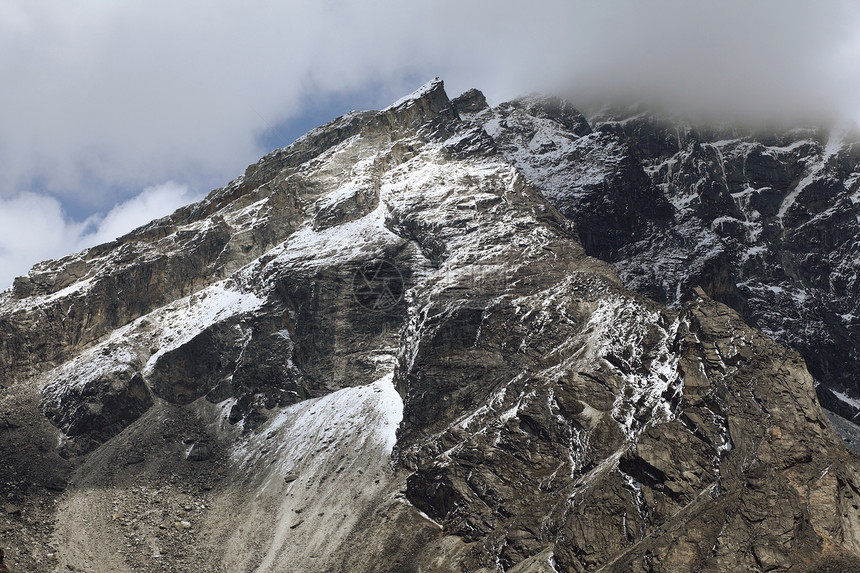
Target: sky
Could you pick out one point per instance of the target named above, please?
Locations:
(115, 112)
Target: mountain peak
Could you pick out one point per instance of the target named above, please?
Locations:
(472, 101)
(428, 91)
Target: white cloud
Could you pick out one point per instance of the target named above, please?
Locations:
(102, 97)
(152, 203)
(34, 227)
(126, 93)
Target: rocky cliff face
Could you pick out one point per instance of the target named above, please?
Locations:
(387, 347)
(765, 220)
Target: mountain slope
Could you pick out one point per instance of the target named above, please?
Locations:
(765, 220)
(383, 349)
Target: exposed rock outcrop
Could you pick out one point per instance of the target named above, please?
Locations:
(766, 220)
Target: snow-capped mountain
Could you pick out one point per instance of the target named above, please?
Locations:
(393, 347)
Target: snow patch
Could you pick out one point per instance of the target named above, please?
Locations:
(616, 333)
(165, 328)
(355, 240)
(417, 94)
(835, 141)
(368, 415)
(847, 399)
(188, 317)
(314, 469)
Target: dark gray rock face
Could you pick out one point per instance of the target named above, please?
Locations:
(94, 410)
(766, 221)
(427, 268)
(593, 178)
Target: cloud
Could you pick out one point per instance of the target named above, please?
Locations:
(32, 228)
(125, 93)
(25, 238)
(152, 203)
(784, 58)
(102, 98)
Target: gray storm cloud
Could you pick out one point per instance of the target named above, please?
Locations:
(100, 95)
